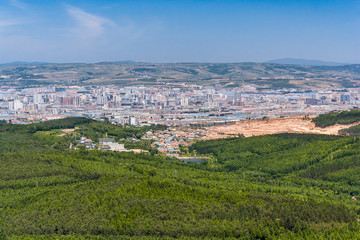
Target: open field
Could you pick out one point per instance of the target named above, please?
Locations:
(272, 126)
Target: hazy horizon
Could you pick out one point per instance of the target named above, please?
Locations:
(91, 31)
(134, 61)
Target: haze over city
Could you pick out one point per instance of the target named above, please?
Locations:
(178, 31)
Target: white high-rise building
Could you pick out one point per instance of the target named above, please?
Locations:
(16, 105)
(132, 121)
(184, 101)
(38, 98)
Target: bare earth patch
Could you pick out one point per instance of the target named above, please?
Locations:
(272, 126)
(68, 130)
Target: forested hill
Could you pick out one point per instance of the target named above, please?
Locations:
(287, 186)
(332, 118)
(345, 117)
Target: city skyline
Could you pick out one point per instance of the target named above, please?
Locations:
(186, 31)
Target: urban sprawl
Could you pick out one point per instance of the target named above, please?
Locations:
(187, 106)
(177, 108)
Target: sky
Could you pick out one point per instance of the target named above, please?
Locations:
(179, 31)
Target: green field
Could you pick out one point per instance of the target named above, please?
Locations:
(286, 186)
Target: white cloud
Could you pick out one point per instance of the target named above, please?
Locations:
(88, 25)
(9, 22)
(18, 4)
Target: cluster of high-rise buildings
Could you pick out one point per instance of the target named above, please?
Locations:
(184, 105)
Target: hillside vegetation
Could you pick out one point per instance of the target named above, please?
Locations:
(351, 131)
(286, 186)
(332, 118)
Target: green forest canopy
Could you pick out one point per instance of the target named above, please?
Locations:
(285, 186)
(332, 118)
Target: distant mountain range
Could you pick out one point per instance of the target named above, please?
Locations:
(230, 75)
(292, 61)
(16, 63)
(22, 63)
(300, 61)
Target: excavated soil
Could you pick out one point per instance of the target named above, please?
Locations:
(272, 126)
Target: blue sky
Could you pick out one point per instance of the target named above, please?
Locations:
(179, 31)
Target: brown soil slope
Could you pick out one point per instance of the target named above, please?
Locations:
(271, 126)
